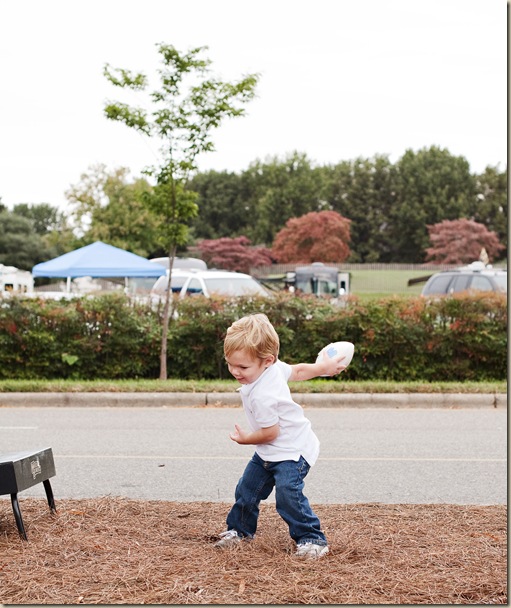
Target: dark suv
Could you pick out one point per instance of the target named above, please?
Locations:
(472, 277)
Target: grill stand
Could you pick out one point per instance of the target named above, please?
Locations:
(17, 511)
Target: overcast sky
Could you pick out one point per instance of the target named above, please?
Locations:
(340, 79)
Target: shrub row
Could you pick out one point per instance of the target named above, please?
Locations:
(396, 338)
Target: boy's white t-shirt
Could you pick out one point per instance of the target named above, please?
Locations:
(268, 401)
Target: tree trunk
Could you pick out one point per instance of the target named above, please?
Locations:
(167, 318)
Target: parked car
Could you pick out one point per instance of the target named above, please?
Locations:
(181, 263)
(208, 282)
(476, 276)
(143, 285)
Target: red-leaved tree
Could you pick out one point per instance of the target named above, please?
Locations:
(460, 242)
(319, 236)
(233, 254)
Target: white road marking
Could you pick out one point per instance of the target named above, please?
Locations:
(330, 459)
(393, 459)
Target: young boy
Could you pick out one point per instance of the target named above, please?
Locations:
(286, 446)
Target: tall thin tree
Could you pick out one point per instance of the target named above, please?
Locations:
(188, 106)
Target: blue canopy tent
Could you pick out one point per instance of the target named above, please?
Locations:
(98, 260)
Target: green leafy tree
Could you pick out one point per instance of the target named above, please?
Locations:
(125, 222)
(51, 224)
(86, 196)
(188, 106)
(20, 245)
(363, 190)
(108, 206)
(223, 209)
(460, 242)
(44, 217)
(277, 190)
(321, 236)
(432, 185)
(491, 203)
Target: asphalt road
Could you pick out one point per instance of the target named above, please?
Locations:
(378, 455)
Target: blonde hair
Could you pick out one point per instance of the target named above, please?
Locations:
(254, 334)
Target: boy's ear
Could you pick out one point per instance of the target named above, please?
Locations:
(270, 360)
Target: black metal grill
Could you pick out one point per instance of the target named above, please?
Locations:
(22, 470)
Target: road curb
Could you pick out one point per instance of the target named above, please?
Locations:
(325, 400)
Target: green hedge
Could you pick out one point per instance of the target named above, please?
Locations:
(396, 338)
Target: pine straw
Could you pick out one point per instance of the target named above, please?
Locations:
(120, 551)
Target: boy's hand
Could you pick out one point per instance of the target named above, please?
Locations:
(332, 365)
(239, 435)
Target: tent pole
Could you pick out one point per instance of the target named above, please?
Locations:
(68, 284)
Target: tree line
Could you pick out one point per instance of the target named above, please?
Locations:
(389, 205)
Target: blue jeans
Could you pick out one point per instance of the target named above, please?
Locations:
(256, 484)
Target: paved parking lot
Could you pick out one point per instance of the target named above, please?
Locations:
(387, 455)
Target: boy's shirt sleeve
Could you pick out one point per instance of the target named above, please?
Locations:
(265, 412)
(285, 367)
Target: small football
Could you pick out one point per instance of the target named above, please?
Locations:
(346, 349)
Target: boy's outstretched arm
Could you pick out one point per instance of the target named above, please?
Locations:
(326, 367)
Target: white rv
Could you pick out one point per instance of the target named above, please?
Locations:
(14, 281)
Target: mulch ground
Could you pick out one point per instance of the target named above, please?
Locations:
(120, 551)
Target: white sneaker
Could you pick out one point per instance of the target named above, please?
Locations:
(311, 550)
(228, 538)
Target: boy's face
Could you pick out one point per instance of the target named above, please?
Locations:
(245, 368)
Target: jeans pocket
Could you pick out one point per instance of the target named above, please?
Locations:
(303, 467)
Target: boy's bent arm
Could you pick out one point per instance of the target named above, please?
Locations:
(266, 435)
